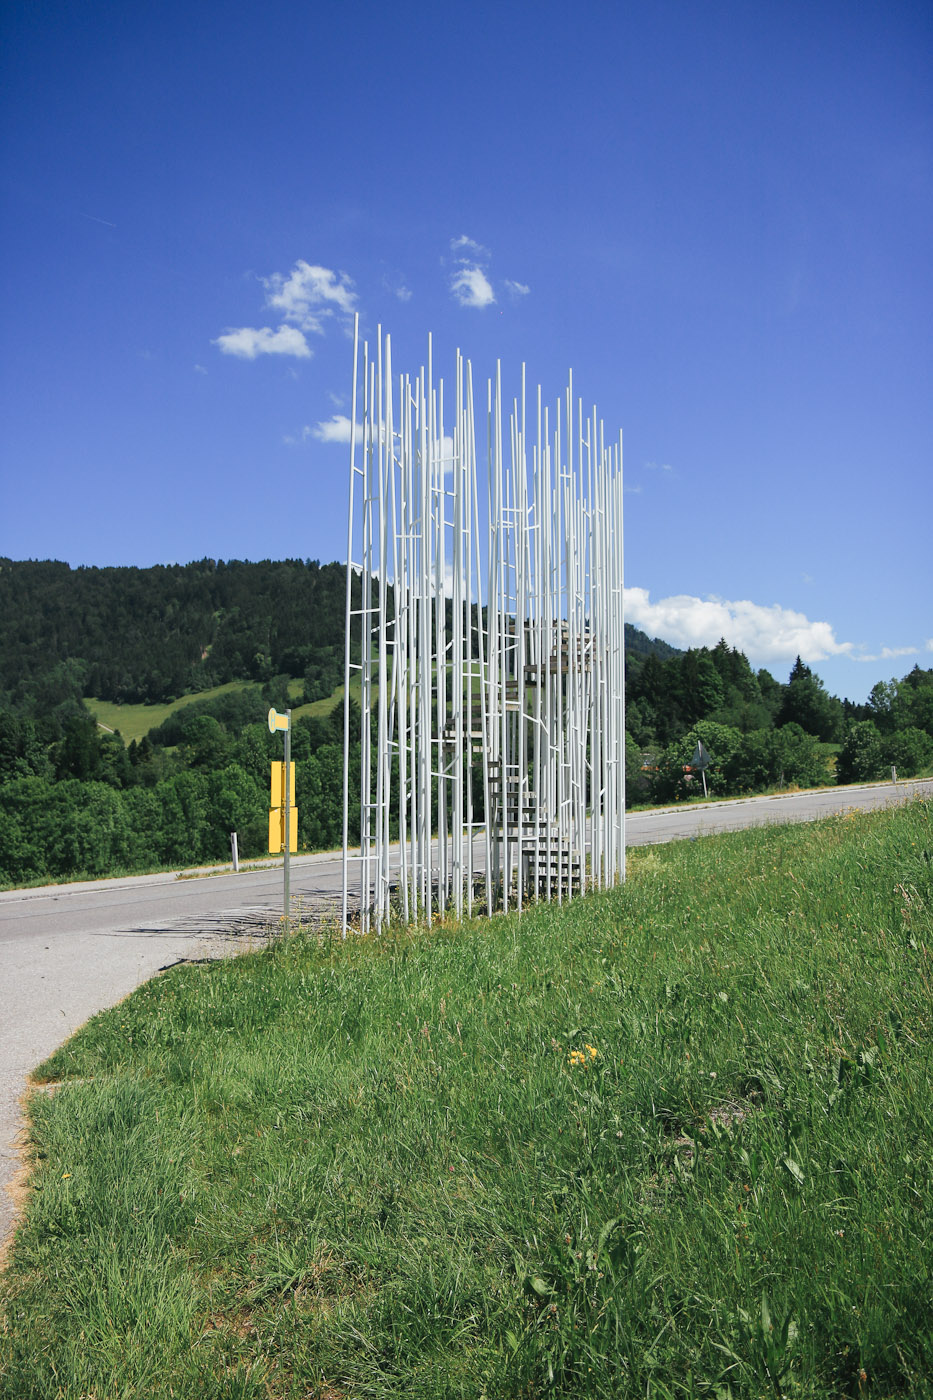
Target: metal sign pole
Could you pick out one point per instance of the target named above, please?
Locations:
(280, 825)
(288, 813)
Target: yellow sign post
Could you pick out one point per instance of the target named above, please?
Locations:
(283, 815)
(277, 810)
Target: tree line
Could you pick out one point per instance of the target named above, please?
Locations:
(762, 734)
(77, 800)
(88, 805)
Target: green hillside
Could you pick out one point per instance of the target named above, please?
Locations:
(672, 1140)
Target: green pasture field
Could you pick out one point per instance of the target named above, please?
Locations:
(330, 702)
(133, 721)
(672, 1140)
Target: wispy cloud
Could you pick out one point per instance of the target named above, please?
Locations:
(248, 342)
(887, 654)
(468, 250)
(470, 282)
(471, 287)
(765, 633)
(309, 294)
(298, 439)
(658, 467)
(394, 283)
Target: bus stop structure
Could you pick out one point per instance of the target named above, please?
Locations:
(484, 647)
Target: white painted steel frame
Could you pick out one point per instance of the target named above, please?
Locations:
(488, 647)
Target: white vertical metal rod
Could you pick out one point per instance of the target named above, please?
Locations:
(347, 637)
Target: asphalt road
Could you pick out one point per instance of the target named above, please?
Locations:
(68, 951)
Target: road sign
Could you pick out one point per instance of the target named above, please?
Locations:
(278, 794)
(277, 721)
(277, 830)
(277, 784)
(700, 757)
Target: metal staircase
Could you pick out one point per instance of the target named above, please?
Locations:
(527, 842)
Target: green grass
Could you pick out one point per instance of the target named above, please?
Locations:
(672, 1140)
(324, 707)
(133, 721)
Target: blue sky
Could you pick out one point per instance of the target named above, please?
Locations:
(718, 214)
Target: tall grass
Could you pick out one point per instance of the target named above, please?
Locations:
(673, 1140)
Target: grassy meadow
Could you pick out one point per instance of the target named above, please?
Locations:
(672, 1140)
(135, 721)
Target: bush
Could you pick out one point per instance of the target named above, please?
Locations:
(861, 759)
(910, 751)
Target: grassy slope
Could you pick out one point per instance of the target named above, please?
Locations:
(669, 1140)
(133, 721)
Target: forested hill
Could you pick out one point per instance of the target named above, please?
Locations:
(129, 634)
(151, 635)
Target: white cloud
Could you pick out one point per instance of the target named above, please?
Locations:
(765, 633)
(472, 287)
(886, 654)
(336, 429)
(469, 282)
(444, 453)
(304, 298)
(248, 341)
(929, 643)
(469, 249)
(659, 466)
(309, 294)
(200, 369)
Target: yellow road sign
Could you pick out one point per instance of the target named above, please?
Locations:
(277, 830)
(277, 785)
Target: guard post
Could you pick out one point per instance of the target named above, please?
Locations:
(283, 815)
